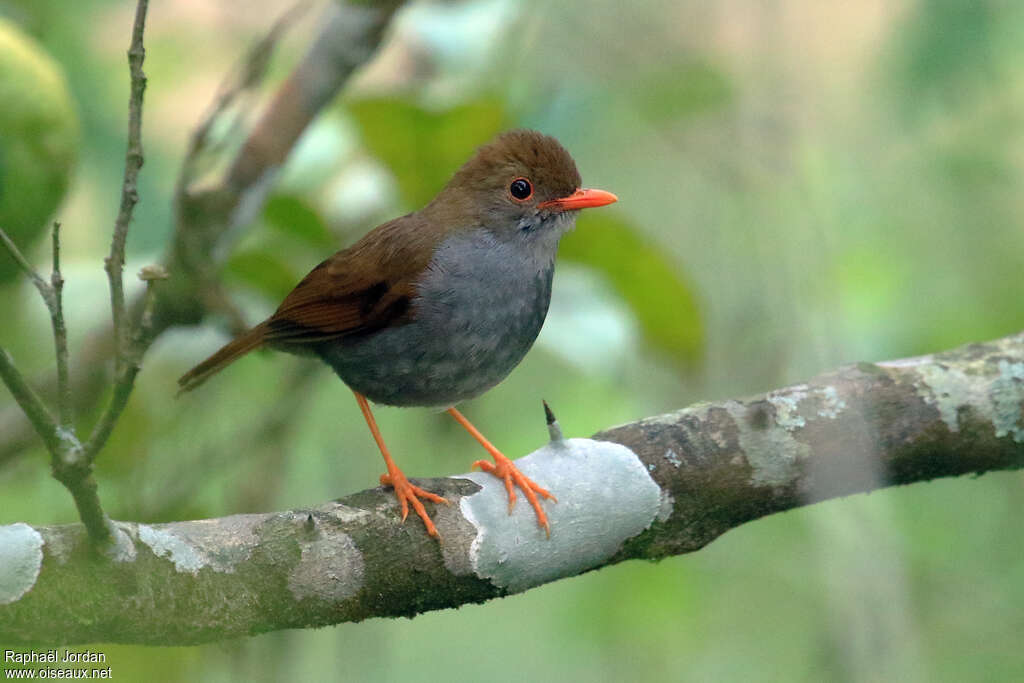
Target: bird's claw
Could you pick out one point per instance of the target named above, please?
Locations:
(407, 493)
(504, 469)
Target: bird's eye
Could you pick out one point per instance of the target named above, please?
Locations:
(521, 189)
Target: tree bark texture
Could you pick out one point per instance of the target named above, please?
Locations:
(662, 486)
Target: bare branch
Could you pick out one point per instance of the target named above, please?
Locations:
(66, 461)
(72, 464)
(125, 380)
(344, 43)
(98, 527)
(66, 455)
(52, 296)
(244, 78)
(350, 35)
(680, 481)
(127, 351)
(129, 188)
(40, 417)
(26, 267)
(60, 337)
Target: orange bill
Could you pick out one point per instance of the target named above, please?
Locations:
(580, 199)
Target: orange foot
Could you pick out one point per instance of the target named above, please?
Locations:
(505, 469)
(408, 493)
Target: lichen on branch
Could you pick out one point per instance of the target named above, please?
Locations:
(662, 486)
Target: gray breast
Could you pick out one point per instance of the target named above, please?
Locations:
(479, 308)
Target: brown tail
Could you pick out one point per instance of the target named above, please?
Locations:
(229, 353)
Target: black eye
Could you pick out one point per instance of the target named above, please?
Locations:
(521, 189)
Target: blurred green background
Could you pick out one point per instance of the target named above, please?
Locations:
(802, 184)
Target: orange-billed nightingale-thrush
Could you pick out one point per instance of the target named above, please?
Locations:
(438, 306)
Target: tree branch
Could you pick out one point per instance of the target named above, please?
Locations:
(242, 82)
(126, 354)
(70, 462)
(662, 486)
(140, 341)
(129, 187)
(52, 295)
(348, 38)
(28, 400)
(66, 460)
(45, 425)
(26, 267)
(350, 35)
(66, 457)
(65, 410)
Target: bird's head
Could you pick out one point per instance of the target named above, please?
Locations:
(521, 185)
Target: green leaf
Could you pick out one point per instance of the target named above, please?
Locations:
(295, 218)
(654, 288)
(424, 148)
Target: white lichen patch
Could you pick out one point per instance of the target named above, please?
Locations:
(21, 557)
(1011, 370)
(122, 548)
(217, 544)
(184, 555)
(948, 388)
(831, 403)
(605, 496)
(348, 515)
(330, 568)
(787, 406)
(794, 403)
(673, 458)
(772, 451)
(993, 396)
(1006, 404)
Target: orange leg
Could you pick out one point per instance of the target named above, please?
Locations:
(503, 468)
(404, 491)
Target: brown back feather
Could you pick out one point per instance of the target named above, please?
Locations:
(359, 290)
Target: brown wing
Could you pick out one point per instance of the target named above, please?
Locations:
(359, 290)
(364, 288)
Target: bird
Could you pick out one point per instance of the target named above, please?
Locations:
(438, 306)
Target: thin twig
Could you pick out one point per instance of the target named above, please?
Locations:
(129, 188)
(66, 459)
(125, 380)
(58, 436)
(350, 34)
(126, 356)
(246, 76)
(150, 274)
(123, 384)
(37, 413)
(26, 267)
(202, 218)
(74, 467)
(60, 337)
